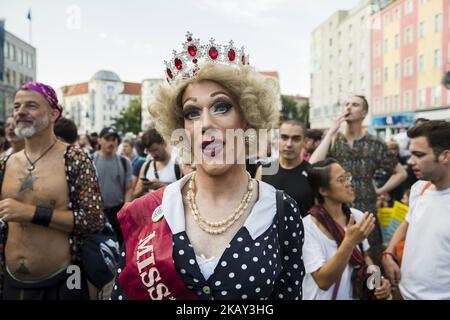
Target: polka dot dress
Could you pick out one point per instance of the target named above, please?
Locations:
(248, 269)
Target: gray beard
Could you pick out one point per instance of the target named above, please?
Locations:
(31, 131)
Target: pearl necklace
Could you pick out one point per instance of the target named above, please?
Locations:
(218, 227)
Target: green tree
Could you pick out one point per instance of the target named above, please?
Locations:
(129, 119)
(291, 111)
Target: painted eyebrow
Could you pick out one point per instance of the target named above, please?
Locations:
(212, 96)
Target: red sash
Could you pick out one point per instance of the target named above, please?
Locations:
(149, 272)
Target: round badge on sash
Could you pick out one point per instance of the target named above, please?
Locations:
(157, 214)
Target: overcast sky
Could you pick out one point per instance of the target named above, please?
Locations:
(76, 38)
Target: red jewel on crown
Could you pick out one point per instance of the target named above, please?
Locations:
(184, 65)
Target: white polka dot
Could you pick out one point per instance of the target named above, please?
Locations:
(270, 262)
(286, 258)
(195, 280)
(263, 270)
(286, 243)
(224, 293)
(252, 278)
(274, 226)
(291, 218)
(257, 290)
(301, 273)
(292, 205)
(190, 287)
(290, 289)
(247, 249)
(123, 254)
(293, 234)
(224, 263)
(285, 218)
(269, 246)
(183, 271)
(181, 252)
(239, 239)
(181, 238)
(244, 266)
(231, 275)
(120, 297)
(235, 255)
(119, 270)
(268, 281)
(296, 283)
(255, 259)
(274, 256)
(280, 296)
(218, 283)
(244, 296)
(295, 210)
(257, 244)
(298, 225)
(288, 274)
(300, 233)
(115, 287)
(192, 261)
(294, 250)
(265, 239)
(238, 286)
(264, 252)
(190, 245)
(295, 266)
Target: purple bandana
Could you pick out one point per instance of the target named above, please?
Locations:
(47, 92)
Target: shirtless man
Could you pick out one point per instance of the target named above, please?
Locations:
(47, 203)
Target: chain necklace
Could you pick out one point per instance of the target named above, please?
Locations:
(218, 227)
(31, 164)
(28, 181)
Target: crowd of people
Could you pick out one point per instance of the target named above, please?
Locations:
(142, 222)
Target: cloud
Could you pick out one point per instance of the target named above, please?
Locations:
(254, 13)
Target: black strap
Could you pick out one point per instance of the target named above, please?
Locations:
(177, 171)
(123, 160)
(146, 166)
(280, 215)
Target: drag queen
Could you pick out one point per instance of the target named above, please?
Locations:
(216, 233)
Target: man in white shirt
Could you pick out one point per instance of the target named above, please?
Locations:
(425, 267)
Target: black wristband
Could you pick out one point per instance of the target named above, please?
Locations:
(42, 216)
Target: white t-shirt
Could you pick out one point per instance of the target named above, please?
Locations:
(317, 250)
(167, 175)
(425, 270)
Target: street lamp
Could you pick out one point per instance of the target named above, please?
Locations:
(446, 80)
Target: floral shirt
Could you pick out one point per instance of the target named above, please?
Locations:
(367, 155)
(84, 200)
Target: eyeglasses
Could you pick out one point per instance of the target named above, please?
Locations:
(345, 179)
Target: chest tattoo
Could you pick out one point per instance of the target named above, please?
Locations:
(27, 182)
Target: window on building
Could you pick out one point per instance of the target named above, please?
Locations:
(408, 35)
(385, 104)
(408, 67)
(422, 30)
(397, 102)
(386, 73)
(407, 100)
(397, 71)
(409, 7)
(438, 23)
(12, 52)
(6, 50)
(386, 45)
(437, 96)
(397, 41)
(397, 13)
(437, 59)
(421, 63)
(377, 104)
(422, 97)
